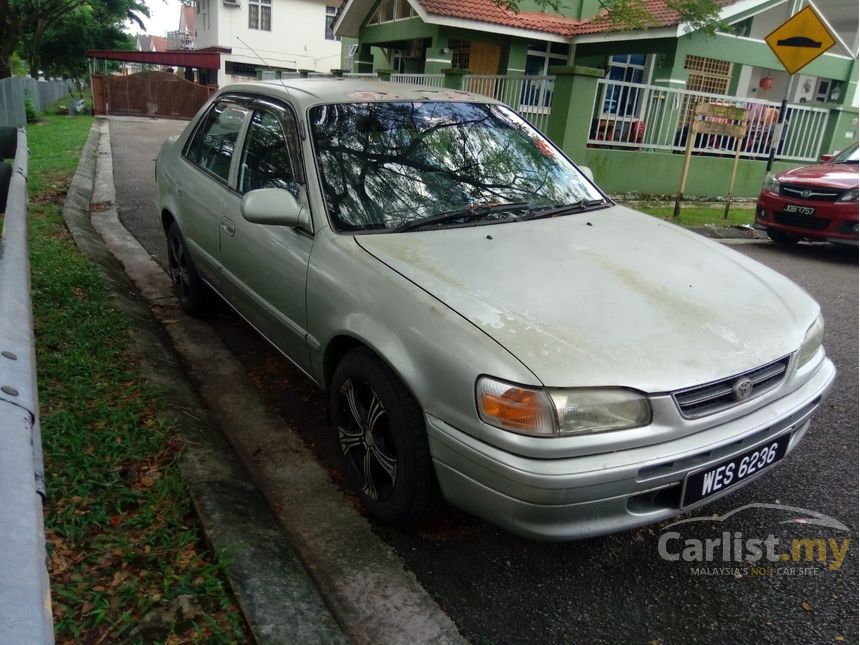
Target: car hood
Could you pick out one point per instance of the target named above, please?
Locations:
(609, 297)
(837, 175)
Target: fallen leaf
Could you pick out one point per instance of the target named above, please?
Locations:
(806, 606)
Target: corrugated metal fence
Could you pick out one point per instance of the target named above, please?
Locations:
(25, 602)
(14, 91)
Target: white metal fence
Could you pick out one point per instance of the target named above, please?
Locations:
(432, 80)
(529, 96)
(644, 117)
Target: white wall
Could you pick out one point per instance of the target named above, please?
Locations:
(766, 21)
(752, 90)
(297, 39)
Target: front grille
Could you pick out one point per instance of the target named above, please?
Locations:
(719, 395)
(801, 221)
(810, 193)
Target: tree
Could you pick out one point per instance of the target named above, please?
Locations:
(24, 23)
(701, 15)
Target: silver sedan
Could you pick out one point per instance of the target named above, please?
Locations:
(487, 324)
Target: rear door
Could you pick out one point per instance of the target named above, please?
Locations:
(201, 190)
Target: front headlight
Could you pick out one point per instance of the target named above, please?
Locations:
(558, 412)
(771, 185)
(812, 341)
(849, 196)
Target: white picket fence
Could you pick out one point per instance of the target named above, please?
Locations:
(635, 116)
(529, 96)
(432, 80)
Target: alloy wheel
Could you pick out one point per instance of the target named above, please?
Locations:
(366, 439)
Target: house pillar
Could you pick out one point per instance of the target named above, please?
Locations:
(454, 78)
(517, 54)
(363, 61)
(841, 129)
(572, 106)
(438, 55)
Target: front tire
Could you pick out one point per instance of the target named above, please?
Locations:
(383, 440)
(194, 296)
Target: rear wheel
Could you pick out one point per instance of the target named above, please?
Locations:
(383, 440)
(782, 238)
(194, 296)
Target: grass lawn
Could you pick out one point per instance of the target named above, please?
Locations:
(124, 546)
(703, 216)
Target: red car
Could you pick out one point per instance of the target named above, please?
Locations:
(813, 202)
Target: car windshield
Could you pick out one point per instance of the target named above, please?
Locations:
(391, 166)
(849, 155)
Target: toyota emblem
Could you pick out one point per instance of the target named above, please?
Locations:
(805, 194)
(742, 388)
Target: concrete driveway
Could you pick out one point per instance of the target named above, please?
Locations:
(135, 143)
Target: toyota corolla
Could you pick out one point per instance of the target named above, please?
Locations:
(486, 323)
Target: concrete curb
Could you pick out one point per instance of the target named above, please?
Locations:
(278, 600)
(366, 585)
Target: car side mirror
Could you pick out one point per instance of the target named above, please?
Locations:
(271, 206)
(585, 170)
(826, 158)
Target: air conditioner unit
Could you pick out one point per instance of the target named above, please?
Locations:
(231, 3)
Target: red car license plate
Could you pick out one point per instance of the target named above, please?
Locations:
(800, 210)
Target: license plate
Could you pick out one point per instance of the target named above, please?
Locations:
(731, 472)
(800, 210)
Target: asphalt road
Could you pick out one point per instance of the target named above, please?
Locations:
(500, 589)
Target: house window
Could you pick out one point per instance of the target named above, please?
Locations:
(542, 56)
(260, 15)
(203, 10)
(233, 68)
(460, 53)
(391, 10)
(708, 74)
(330, 15)
(623, 100)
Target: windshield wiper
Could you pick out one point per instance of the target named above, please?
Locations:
(563, 209)
(467, 215)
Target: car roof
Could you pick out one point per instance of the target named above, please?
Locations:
(305, 92)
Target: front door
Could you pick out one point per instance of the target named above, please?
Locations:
(265, 266)
(484, 58)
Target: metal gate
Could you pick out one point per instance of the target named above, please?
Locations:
(149, 94)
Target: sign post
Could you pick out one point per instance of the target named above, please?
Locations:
(715, 120)
(796, 43)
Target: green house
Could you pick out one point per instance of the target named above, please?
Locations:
(426, 36)
(639, 86)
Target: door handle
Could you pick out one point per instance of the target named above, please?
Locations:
(228, 227)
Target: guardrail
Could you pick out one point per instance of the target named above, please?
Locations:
(25, 602)
(635, 116)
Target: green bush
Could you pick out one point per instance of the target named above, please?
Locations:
(30, 110)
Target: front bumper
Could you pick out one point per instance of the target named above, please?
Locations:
(832, 222)
(579, 497)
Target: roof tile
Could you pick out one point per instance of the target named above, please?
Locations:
(488, 11)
